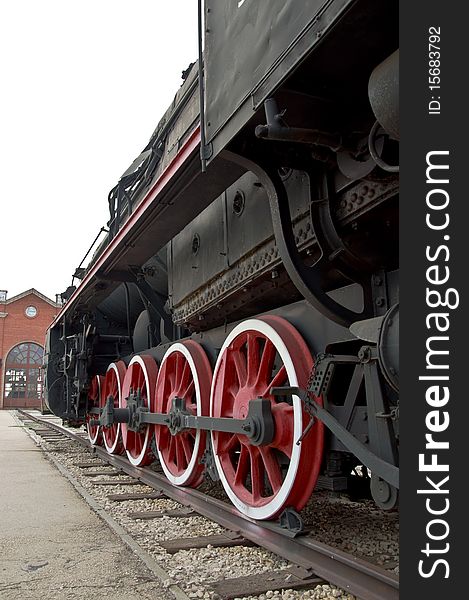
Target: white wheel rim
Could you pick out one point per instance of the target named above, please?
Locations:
(272, 507)
(184, 478)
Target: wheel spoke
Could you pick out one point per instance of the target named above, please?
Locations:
(188, 391)
(272, 468)
(185, 380)
(257, 473)
(177, 369)
(180, 459)
(187, 447)
(242, 468)
(171, 449)
(171, 376)
(239, 362)
(252, 344)
(140, 383)
(279, 379)
(229, 444)
(162, 392)
(267, 363)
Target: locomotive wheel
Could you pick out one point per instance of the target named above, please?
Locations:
(185, 372)
(113, 381)
(261, 481)
(141, 374)
(94, 396)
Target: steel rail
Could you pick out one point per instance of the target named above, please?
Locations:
(358, 577)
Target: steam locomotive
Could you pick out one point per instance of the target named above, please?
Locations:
(240, 320)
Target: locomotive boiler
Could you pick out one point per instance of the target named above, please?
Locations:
(240, 320)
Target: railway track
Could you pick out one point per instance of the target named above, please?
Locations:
(313, 562)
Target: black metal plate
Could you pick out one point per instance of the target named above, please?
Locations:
(247, 43)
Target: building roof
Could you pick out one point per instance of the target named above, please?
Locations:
(35, 293)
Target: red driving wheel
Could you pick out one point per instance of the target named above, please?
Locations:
(141, 375)
(94, 395)
(261, 481)
(185, 373)
(113, 387)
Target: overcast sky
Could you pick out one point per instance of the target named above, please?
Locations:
(83, 85)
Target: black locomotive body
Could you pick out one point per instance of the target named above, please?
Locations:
(241, 317)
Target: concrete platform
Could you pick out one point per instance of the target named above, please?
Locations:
(52, 545)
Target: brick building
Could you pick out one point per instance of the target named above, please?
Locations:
(23, 322)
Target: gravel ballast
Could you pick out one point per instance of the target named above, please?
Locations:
(355, 527)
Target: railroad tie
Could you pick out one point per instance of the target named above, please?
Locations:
(142, 496)
(116, 482)
(253, 585)
(99, 473)
(158, 514)
(227, 540)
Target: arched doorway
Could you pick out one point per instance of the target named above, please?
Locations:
(23, 376)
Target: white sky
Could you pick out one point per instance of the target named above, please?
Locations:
(83, 85)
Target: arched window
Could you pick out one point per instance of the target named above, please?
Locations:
(23, 376)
